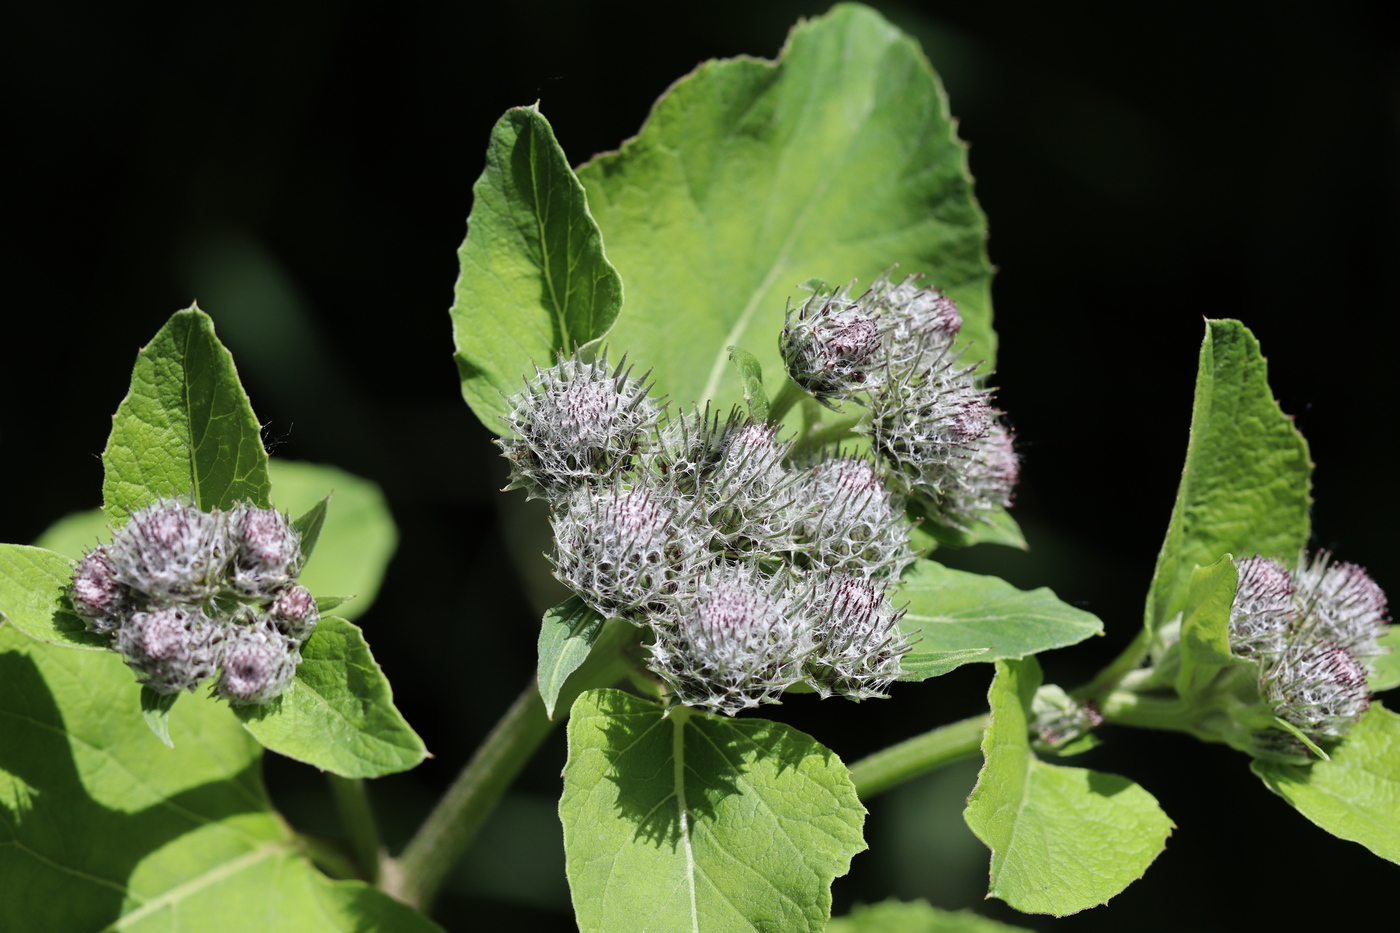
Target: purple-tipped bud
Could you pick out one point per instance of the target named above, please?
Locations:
(852, 522)
(259, 662)
(266, 551)
(829, 346)
(738, 640)
(171, 648)
(859, 643)
(295, 613)
(576, 423)
(754, 458)
(1263, 608)
(170, 552)
(1319, 688)
(1342, 604)
(96, 594)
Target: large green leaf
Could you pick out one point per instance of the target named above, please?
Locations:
(185, 429)
(686, 822)
(834, 162)
(104, 828)
(914, 917)
(1356, 793)
(357, 539)
(1062, 839)
(956, 611)
(534, 277)
(1245, 487)
(338, 713)
(1385, 670)
(33, 597)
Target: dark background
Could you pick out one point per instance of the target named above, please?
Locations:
(304, 170)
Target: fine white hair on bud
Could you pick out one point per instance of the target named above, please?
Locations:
(859, 644)
(294, 612)
(576, 423)
(1263, 608)
(918, 326)
(621, 549)
(259, 661)
(1342, 604)
(96, 594)
(171, 552)
(829, 345)
(738, 639)
(753, 458)
(265, 550)
(852, 522)
(1320, 688)
(171, 648)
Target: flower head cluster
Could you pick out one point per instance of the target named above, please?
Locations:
(750, 574)
(1313, 632)
(188, 595)
(931, 420)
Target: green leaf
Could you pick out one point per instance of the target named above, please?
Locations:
(338, 713)
(1245, 487)
(913, 917)
(1000, 528)
(1385, 670)
(534, 277)
(357, 538)
(102, 828)
(687, 822)
(185, 429)
(155, 709)
(308, 526)
(1356, 794)
(1062, 839)
(834, 162)
(1205, 627)
(567, 634)
(751, 373)
(34, 597)
(952, 610)
(76, 533)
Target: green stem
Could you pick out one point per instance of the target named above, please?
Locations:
(787, 396)
(1109, 678)
(923, 753)
(357, 818)
(1127, 708)
(416, 875)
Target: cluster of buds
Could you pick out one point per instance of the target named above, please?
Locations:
(932, 422)
(750, 573)
(186, 596)
(1311, 635)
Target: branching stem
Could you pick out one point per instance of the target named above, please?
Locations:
(920, 755)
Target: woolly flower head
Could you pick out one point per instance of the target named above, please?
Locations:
(829, 345)
(621, 549)
(575, 423)
(852, 521)
(177, 588)
(860, 644)
(739, 638)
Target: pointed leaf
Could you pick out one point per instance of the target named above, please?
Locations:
(338, 713)
(1205, 626)
(155, 709)
(686, 822)
(186, 428)
(751, 374)
(34, 597)
(999, 528)
(1062, 839)
(1246, 486)
(567, 635)
(834, 162)
(534, 277)
(914, 917)
(103, 828)
(308, 526)
(952, 610)
(1356, 794)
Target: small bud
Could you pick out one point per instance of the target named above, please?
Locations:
(739, 639)
(576, 423)
(852, 522)
(1319, 688)
(171, 648)
(265, 550)
(859, 644)
(294, 613)
(170, 552)
(1342, 604)
(1262, 610)
(829, 346)
(259, 662)
(96, 594)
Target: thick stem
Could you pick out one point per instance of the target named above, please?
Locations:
(1148, 712)
(1109, 678)
(782, 403)
(357, 818)
(919, 755)
(416, 875)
